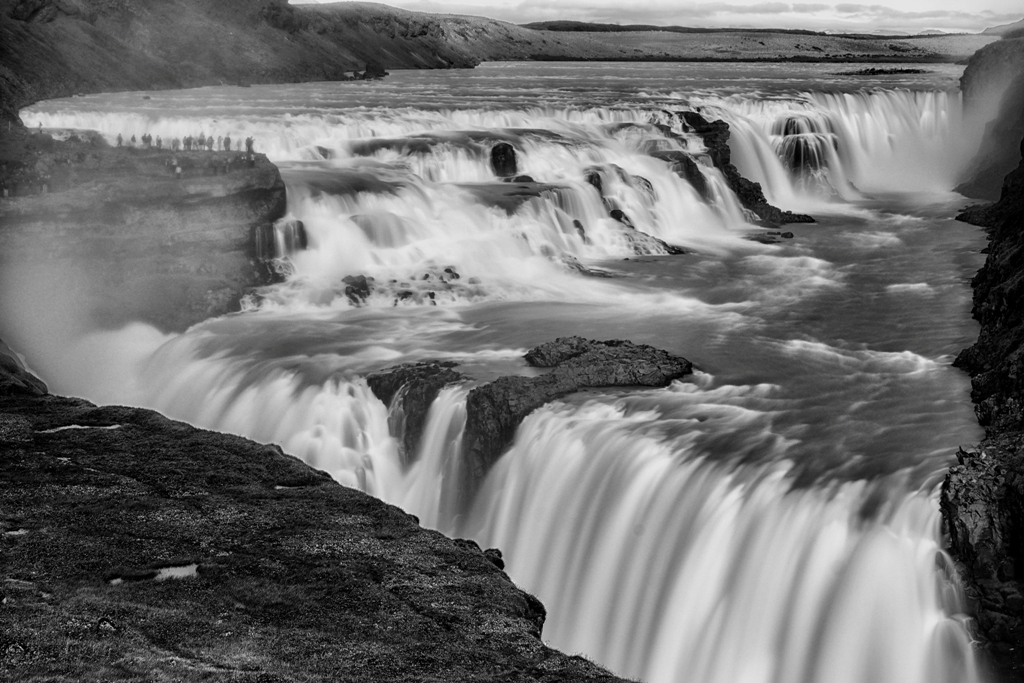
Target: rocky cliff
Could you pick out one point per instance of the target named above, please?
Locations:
(139, 548)
(983, 496)
(128, 238)
(992, 86)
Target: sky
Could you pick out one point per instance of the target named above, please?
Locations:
(910, 16)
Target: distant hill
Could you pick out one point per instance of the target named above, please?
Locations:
(59, 48)
(1004, 29)
(587, 27)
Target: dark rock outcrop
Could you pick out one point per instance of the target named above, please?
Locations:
(408, 390)
(996, 360)
(197, 244)
(137, 544)
(495, 410)
(686, 168)
(503, 160)
(14, 378)
(716, 138)
(357, 288)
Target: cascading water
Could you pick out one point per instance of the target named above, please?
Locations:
(772, 518)
(843, 144)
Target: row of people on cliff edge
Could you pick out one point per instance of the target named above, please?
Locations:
(191, 144)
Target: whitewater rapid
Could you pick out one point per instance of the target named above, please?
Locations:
(773, 518)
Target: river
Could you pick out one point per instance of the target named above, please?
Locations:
(772, 518)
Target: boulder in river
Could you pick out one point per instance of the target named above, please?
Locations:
(503, 160)
(494, 410)
(357, 288)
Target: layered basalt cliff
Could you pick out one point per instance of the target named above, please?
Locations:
(136, 240)
(983, 496)
(134, 544)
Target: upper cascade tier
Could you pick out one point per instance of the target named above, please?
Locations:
(845, 146)
(402, 206)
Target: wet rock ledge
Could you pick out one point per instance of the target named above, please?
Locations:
(136, 547)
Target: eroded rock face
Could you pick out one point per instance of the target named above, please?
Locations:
(495, 410)
(716, 138)
(127, 536)
(414, 386)
(983, 497)
(996, 361)
(137, 243)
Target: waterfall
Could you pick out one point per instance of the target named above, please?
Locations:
(846, 144)
(667, 557)
(676, 568)
(674, 535)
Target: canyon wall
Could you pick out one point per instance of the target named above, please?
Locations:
(993, 91)
(983, 496)
(126, 237)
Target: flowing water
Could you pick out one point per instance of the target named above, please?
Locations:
(771, 518)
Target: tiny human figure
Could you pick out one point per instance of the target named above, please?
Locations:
(202, 141)
(120, 140)
(248, 145)
(131, 143)
(175, 144)
(40, 127)
(159, 143)
(227, 143)
(209, 144)
(220, 143)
